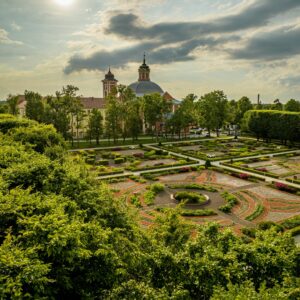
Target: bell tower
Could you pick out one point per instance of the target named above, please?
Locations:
(144, 71)
(109, 82)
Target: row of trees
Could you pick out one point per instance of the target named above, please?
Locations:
(65, 236)
(267, 124)
(128, 116)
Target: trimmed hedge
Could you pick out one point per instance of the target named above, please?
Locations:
(257, 212)
(189, 197)
(231, 201)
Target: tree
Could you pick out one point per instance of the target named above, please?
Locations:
(133, 121)
(112, 118)
(213, 108)
(95, 126)
(12, 102)
(60, 110)
(292, 105)
(243, 105)
(155, 107)
(34, 106)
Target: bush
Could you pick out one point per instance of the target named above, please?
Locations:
(103, 162)
(284, 187)
(266, 225)
(197, 212)
(119, 160)
(291, 223)
(157, 187)
(193, 186)
(231, 201)
(189, 197)
(257, 212)
(135, 201)
(207, 164)
(149, 197)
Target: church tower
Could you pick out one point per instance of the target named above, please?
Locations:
(144, 71)
(109, 83)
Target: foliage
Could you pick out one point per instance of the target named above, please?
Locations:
(190, 197)
(95, 126)
(231, 201)
(193, 186)
(63, 235)
(270, 124)
(259, 209)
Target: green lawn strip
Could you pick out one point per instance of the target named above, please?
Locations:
(259, 209)
(231, 201)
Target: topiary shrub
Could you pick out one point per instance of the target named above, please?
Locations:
(190, 197)
(120, 160)
(103, 162)
(207, 164)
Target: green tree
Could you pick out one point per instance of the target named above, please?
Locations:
(34, 106)
(12, 102)
(95, 126)
(292, 105)
(213, 109)
(112, 118)
(155, 108)
(243, 105)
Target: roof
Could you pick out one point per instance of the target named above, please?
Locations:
(87, 102)
(91, 102)
(141, 88)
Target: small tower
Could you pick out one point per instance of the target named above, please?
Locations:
(144, 71)
(109, 83)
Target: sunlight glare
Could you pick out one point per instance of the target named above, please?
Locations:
(64, 2)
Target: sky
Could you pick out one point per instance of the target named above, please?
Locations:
(243, 47)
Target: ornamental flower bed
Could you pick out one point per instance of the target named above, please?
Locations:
(284, 187)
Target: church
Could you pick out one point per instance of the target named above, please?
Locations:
(141, 87)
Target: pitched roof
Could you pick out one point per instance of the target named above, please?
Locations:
(91, 102)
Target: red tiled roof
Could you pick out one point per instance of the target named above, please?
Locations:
(91, 102)
(167, 96)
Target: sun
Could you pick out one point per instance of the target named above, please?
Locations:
(64, 2)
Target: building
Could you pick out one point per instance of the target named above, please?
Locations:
(143, 86)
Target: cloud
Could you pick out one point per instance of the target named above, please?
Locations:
(278, 44)
(178, 41)
(15, 26)
(4, 38)
(291, 81)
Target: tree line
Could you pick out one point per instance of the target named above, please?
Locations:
(64, 235)
(128, 116)
(279, 125)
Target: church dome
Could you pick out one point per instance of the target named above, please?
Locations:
(140, 88)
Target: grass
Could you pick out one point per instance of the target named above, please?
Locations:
(194, 198)
(257, 212)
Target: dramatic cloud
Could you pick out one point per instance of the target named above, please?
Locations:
(275, 45)
(173, 42)
(4, 38)
(291, 81)
(258, 14)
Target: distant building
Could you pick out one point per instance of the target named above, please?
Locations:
(143, 86)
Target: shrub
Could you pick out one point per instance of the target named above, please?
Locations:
(184, 170)
(266, 225)
(284, 187)
(149, 197)
(103, 162)
(193, 186)
(135, 201)
(207, 164)
(119, 160)
(157, 187)
(90, 160)
(257, 212)
(197, 212)
(231, 201)
(189, 197)
(291, 223)
(244, 176)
